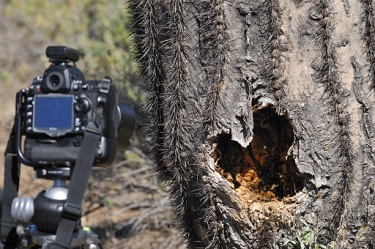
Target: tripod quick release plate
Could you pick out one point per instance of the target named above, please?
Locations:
(53, 173)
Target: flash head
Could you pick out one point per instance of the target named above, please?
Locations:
(62, 54)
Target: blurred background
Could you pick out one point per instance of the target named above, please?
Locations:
(124, 203)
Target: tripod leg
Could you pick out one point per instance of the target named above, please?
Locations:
(11, 183)
(8, 231)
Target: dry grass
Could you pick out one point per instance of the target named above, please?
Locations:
(127, 207)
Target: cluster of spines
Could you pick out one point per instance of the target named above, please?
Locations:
(145, 30)
(368, 19)
(213, 48)
(272, 70)
(328, 74)
(162, 56)
(178, 146)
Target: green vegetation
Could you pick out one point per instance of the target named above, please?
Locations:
(97, 28)
(305, 239)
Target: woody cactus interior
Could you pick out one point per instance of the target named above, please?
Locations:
(260, 118)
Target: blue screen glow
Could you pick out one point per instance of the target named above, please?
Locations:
(53, 114)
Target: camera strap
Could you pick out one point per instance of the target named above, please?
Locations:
(72, 209)
(10, 191)
(82, 170)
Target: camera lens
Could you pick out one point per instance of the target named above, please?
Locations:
(54, 81)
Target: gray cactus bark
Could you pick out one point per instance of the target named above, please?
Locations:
(261, 118)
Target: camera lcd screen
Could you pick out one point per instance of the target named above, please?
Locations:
(53, 114)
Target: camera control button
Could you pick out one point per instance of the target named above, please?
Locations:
(29, 128)
(77, 141)
(82, 105)
(75, 87)
(29, 114)
(29, 107)
(84, 120)
(30, 99)
(28, 121)
(85, 87)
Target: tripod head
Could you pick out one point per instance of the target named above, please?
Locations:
(38, 219)
(43, 214)
(45, 210)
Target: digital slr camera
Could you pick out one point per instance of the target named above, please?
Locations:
(63, 126)
(56, 108)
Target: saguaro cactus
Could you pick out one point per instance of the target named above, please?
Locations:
(261, 118)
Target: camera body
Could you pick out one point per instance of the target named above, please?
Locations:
(56, 108)
(63, 126)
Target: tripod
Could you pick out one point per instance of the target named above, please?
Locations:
(83, 239)
(52, 218)
(48, 203)
(63, 126)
